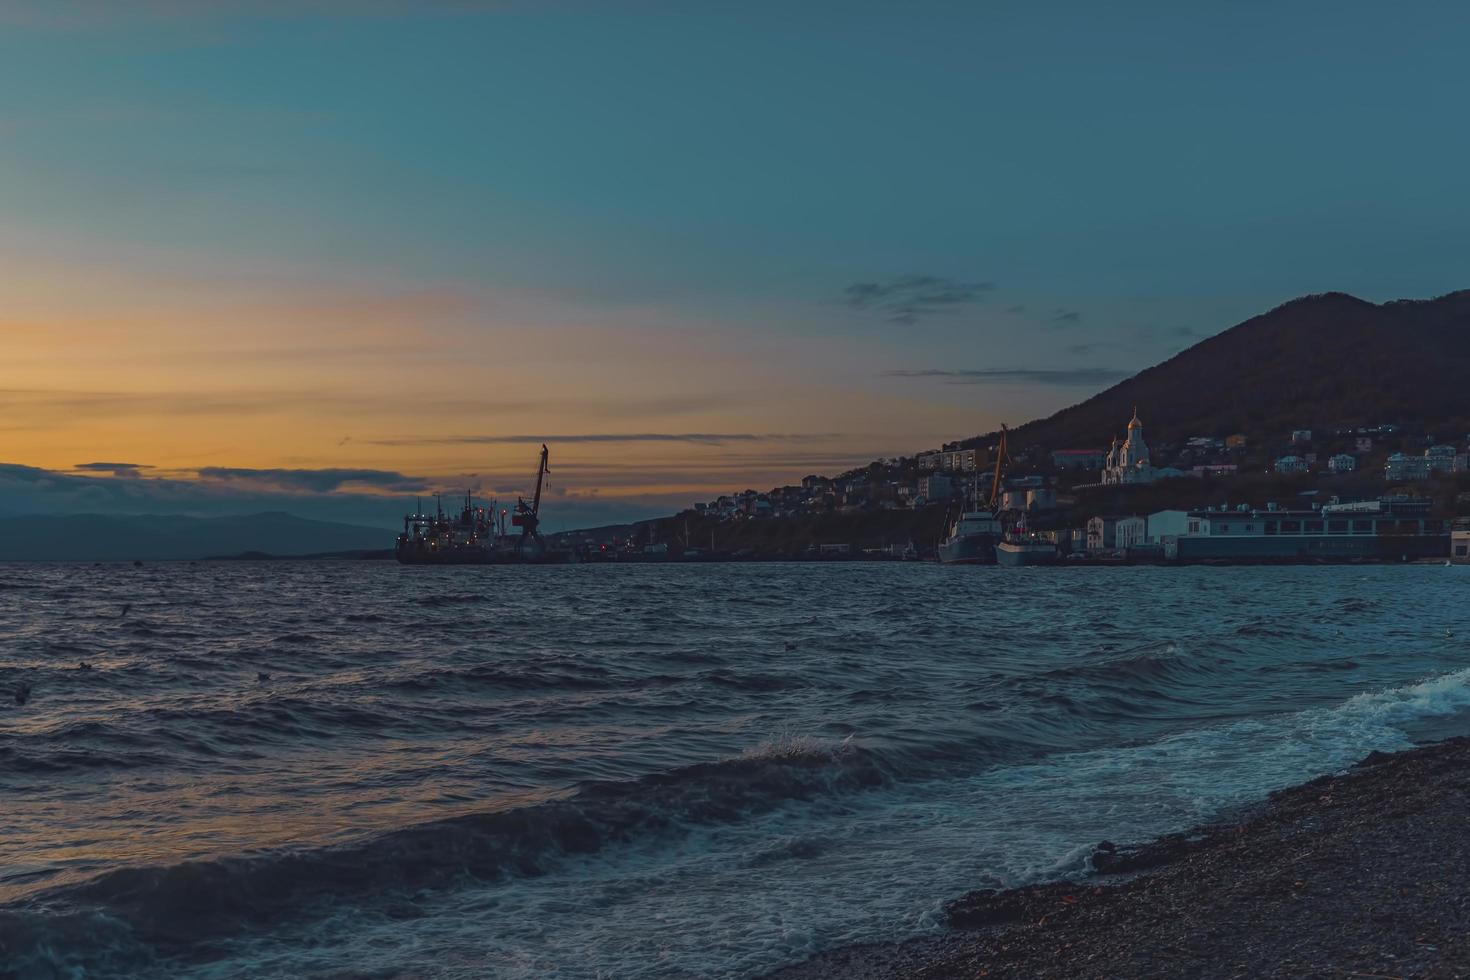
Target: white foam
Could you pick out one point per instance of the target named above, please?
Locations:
(698, 906)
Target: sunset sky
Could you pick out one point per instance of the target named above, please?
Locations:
(325, 255)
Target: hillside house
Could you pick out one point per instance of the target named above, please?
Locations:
(1401, 466)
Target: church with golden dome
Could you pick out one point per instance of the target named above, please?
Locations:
(1128, 461)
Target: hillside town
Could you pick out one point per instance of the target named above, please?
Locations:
(1375, 492)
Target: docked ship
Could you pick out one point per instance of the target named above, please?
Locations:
(479, 535)
(972, 538)
(975, 529)
(1020, 547)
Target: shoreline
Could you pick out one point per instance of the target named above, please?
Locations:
(1361, 874)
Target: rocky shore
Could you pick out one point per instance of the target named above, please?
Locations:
(1364, 874)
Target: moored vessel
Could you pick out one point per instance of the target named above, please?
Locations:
(1025, 549)
(975, 530)
(479, 535)
(972, 539)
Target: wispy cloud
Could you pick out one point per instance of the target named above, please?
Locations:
(316, 481)
(907, 299)
(701, 438)
(127, 470)
(1038, 376)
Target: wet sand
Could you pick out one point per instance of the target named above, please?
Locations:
(1364, 874)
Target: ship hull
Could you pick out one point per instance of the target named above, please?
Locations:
(978, 549)
(1014, 555)
(471, 555)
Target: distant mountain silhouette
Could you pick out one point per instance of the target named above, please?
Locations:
(106, 537)
(1317, 362)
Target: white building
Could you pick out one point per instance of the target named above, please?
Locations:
(1403, 467)
(1128, 462)
(1445, 459)
(1167, 525)
(1342, 463)
(1130, 532)
(960, 461)
(1291, 464)
(1115, 533)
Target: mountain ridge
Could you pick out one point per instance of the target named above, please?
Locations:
(173, 537)
(1320, 360)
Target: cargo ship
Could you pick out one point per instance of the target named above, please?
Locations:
(975, 530)
(479, 536)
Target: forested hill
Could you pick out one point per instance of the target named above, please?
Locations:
(1316, 362)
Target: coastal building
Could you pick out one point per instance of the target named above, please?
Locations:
(1042, 499)
(1237, 441)
(1445, 459)
(1100, 535)
(1115, 532)
(1079, 459)
(1342, 463)
(1128, 461)
(1387, 529)
(1401, 466)
(1460, 542)
(960, 461)
(1129, 532)
(935, 487)
(1301, 437)
(1166, 527)
(1215, 469)
(1291, 464)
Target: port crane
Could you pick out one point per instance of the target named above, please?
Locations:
(528, 516)
(1002, 456)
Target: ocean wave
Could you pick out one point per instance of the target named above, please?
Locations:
(172, 908)
(1151, 663)
(580, 677)
(756, 681)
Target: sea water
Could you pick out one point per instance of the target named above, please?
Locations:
(358, 769)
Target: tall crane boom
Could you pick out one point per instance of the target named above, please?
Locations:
(528, 516)
(541, 472)
(1001, 457)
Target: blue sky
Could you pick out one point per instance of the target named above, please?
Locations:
(624, 207)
